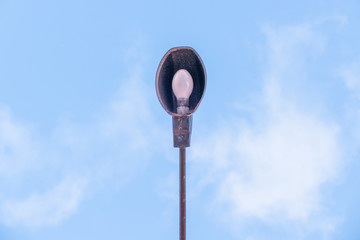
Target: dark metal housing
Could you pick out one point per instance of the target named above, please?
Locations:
(175, 59)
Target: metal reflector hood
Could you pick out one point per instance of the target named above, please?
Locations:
(175, 59)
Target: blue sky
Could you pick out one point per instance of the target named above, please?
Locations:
(86, 148)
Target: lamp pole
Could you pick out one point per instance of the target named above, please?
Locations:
(182, 194)
(180, 85)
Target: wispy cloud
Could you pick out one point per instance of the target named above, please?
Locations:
(17, 151)
(108, 149)
(350, 73)
(49, 208)
(119, 139)
(273, 168)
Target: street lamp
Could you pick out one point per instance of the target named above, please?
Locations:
(180, 85)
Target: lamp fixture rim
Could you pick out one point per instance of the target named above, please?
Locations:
(174, 49)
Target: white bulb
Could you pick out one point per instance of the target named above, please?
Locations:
(182, 84)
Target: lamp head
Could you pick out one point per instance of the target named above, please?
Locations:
(181, 75)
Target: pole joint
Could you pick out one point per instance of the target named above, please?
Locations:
(182, 131)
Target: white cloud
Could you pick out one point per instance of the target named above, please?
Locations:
(49, 208)
(130, 115)
(273, 168)
(281, 167)
(121, 138)
(106, 151)
(351, 76)
(17, 151)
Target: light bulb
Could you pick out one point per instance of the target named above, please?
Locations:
(182, 86)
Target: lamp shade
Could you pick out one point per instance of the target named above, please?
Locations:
(175, 59)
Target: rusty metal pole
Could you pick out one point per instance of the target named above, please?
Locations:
(182, 194)
(182, 130)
